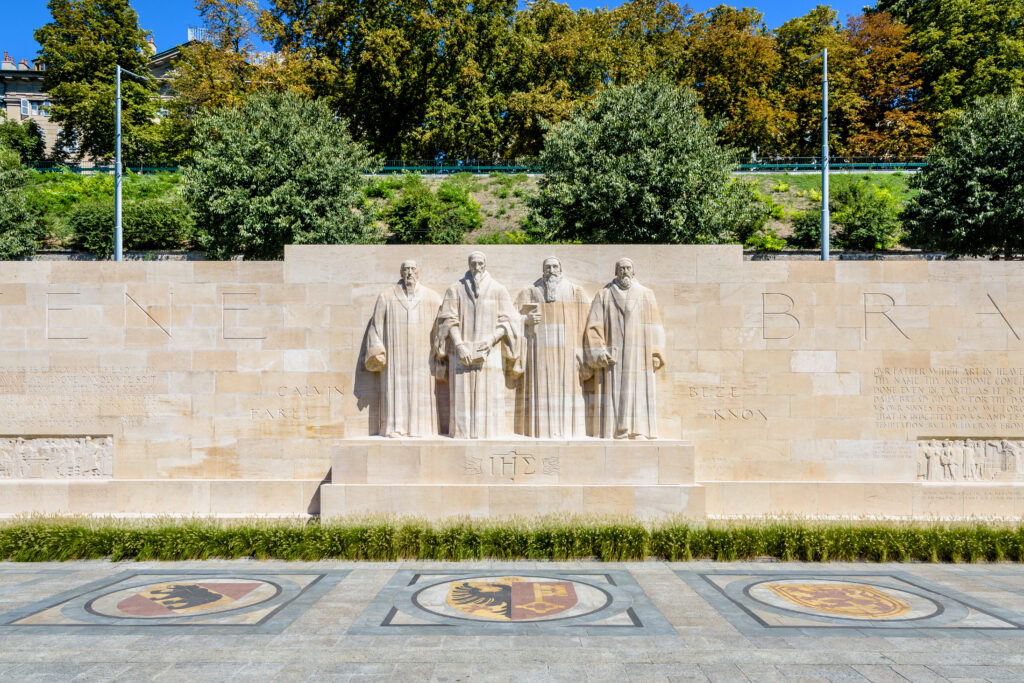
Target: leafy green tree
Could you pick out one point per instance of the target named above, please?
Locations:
(25, 138)
(888, 76)
(278, 169)
(971, 194)
(799, 82)
(81, 46)
(641, 164)
(734, 65)
(17, 228)
(970, 48)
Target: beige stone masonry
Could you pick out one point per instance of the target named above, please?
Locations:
(804, 387)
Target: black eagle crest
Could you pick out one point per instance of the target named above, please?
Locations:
(493, 597)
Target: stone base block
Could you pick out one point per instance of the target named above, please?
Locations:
(454, 477)
(224, 497)
(914, 500)
(523, 500)
(512, 462)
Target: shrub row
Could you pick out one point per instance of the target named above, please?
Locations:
(46, 539)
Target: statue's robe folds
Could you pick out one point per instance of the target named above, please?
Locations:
(399, 346)
(627, 324)
(551, 398)
(477, 392)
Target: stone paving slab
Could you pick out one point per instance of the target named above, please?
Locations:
(699, 621)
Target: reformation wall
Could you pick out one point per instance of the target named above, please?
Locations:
(431, 380)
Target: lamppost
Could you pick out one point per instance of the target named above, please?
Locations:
(118, 254)
(824, 151)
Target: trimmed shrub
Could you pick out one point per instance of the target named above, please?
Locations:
(150, 224)
(17, 228)
(419, 216)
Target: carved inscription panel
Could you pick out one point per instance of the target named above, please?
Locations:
(33, 399)
(57, 458)
(938, 399)
(512, 466)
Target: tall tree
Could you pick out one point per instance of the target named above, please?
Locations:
(888, 76)
(223, 68)
(734, 66)
(799, 83)
(562, 60)
(81, 46)
(970, 48)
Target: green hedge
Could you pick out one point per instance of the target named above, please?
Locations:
(45, 539)
(147, 224)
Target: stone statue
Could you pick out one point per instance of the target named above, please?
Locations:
(478, 336)
(550, 399)
(398, 346)
(624, 343)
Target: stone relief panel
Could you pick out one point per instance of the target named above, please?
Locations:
(84, 457)
(968, 460)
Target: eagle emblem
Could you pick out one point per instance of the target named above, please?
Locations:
(511, 598)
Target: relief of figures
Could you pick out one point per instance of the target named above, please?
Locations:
(968, 460)
(624, 343)
(578, 368)
(56, 458)
(397, 346)
(551, 399)
(479, 337)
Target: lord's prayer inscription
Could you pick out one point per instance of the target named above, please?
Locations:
(949, 398)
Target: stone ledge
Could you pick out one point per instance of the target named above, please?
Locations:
(512, 462)
(909, 500)
(227, 497)
(523, 500)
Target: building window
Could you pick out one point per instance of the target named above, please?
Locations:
(40, 108)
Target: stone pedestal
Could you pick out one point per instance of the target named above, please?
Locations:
(453, 477)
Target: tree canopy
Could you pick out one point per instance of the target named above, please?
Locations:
(277, 169)
(971, 194)
(639, 164)
(81, 46)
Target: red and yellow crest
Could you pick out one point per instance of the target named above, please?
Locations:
(511, 598)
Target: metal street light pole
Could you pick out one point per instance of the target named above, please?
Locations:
(118, 253)
(825, 220)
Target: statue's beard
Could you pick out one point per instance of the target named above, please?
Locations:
(410, 283)
(550, 283)
(625, 281)
(478, 277)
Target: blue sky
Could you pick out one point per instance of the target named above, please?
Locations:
(170, 19)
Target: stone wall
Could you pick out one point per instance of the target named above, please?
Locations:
(805, 387)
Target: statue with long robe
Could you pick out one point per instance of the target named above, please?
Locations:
(551, 398)
(399, 347)
(478, 336)
(624, 343)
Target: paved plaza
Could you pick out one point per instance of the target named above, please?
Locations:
(644, 621)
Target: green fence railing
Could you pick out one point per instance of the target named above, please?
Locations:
(442, 167)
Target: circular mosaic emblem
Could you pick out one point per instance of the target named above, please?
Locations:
(843, 599)
(183, 598)
(512, 598)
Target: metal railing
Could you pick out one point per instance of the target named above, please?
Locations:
(443, 167)
(791, 164)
